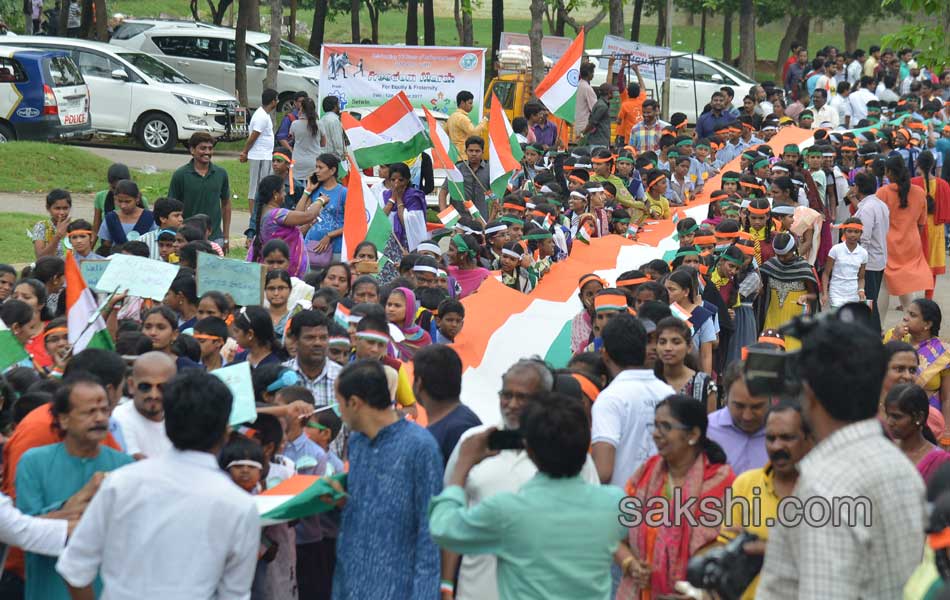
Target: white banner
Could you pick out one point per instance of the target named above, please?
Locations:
(638, 53)
(552, 46)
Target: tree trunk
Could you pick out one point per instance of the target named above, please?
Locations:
(727, 35)
(428, 22)
(412, 24)
(747, 37)
(690, 19)
(273, 46)
(102, 21)
(535, 34)
(254, 16)
(458, 19)
(318, 28)
(852, 29)
(804, 28)
(194, 10)
(616, 17)
(355, 21)
(217, 12)
(468, 36)
(240, 51)
(497, 26)
(292, 32)
(560, 19)
(374, 23)
(86, 27)
(702, 32)
(635, 25)
(63, 24)
(661, 17)
(785, 46)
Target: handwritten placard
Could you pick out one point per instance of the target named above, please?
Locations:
(92, 271)
(243, 281)
(142, 277)
(238, 379)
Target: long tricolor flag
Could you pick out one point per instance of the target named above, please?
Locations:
(363, 216)
(11, 350)
(444, 156)
(87, 328)
(391, 133)
(504, 151)
(298, 497)
(558, 90)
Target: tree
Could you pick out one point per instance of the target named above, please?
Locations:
(467, 36)
(273, 46)
(355, 20)
(577, 25)
(428, 22)
(321, 8)
(240, 51)
(102, 30)
(616, 17)
(635, 24)
(661, 18)
(254, 16)
(727, 35)
(497, 26)
(217, 11)
(412, 24)
(747, 36)
(931, 37)
(535, 34)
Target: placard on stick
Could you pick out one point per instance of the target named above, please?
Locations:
(142, 277)
(242, 280)
(238, 379)
(92, 271)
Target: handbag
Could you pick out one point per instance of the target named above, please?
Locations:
(318, 260)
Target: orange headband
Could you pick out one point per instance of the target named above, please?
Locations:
(939, 540)
(749, 125)
(602, 160)
(704, 240)
(855, 226)
(635, 281)
(631, 149)
(609, 301)
(587, 386)
(538, 213)
(656, 181)
(767, 339)
(576, 179)
(759, 211)
(727, 235)
(681, 125)
(80, 231)
(588, 278)
(513, 206)
(205, 336)
(50, 332)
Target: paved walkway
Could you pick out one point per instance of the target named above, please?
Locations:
(146, 161)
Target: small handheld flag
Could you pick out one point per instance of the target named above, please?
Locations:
(472, 210)
(341, 315)
(632, 231)
(583, 234)
(449, 217)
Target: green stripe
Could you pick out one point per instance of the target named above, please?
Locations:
(391, 152)
(566, 111)
(379, 230)
(559, 354)
(102, 340)
(11, 351)
(515, 147)
(308, 502)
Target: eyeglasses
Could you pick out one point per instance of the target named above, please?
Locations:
(664, 427)
(144, 386)
(508, 396)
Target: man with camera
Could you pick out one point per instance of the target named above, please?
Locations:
(787, 440)
(514, 526)
(504, 471)
(867, 537)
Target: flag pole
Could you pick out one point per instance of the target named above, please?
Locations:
(94, 316)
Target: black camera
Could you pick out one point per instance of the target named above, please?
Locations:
(726, 570)
(771, 372)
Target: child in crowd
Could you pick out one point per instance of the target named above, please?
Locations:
(211, 333)
(168, 218)
(842, 280)
(82, 238)
(449, 320)
(48, 235)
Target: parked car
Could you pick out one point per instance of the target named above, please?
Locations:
(129, 28)
(693, 79)
(42, 95)
(133, 94)
(208, 54)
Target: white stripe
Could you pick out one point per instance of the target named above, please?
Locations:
(561, 92)
(402, 130)
(78, 318)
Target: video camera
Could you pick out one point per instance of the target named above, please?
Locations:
(775, 372)
(726, 570)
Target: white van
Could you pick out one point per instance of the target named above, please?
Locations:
(208, 55)
(133, 94)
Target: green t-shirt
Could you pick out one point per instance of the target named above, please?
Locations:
(201, 195)
(100, 202)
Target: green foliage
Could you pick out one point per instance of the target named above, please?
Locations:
(931, 40)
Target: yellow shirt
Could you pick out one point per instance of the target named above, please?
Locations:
(744, 515)
(659, 207)
(459, 127)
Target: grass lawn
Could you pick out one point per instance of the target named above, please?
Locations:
(40, 167)
(392, 27)
(15, 247)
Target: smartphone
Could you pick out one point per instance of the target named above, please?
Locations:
(366, 267)
(505, 439)
(313, 179)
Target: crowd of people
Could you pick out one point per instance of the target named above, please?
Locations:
(142, 490)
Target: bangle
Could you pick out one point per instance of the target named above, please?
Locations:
(446, 586)
(860, 289)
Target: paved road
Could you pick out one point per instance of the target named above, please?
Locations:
(142, 160)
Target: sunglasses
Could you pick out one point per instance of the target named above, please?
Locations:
(143, 386)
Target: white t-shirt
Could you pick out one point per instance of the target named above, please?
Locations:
(622, 415)
(843, 286)
(263, 148)
(142, 436)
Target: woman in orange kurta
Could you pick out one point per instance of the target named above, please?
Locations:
(938, 210)
(907, 271)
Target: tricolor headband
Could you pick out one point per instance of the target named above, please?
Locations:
(610, 301)
(373, 336)
(339, 341)
(80, 232)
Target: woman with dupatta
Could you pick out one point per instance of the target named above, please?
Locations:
(789, 287)
(401, 309)
(655, 557)
(938, 215)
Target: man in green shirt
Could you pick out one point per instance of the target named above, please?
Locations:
(204, 188)
(556, 536)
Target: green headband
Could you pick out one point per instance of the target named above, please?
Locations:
(511, 220)
(625, 159)
(687, 252)
(730, 179)
(732, 259)
(792, 149)
(690, 230)
(806, 114)
(684, 143)
(672, 154)
(812, 151)
(762, 163)
(621, 220)
(538, 236)
(461, 246)
(749, 155)
(702, 145)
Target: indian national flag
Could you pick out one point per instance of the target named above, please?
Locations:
(449, 216)
(87, 328)
(583, 234)
(11, 350)
(473, 210)
(298, 497)
(558, 90)
(363, 216)
(512, 325)
(444, 156)
(504, 151)
(391, 133)
(342, 315)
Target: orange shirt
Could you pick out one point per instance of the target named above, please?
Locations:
(36, 429)
(631, 113)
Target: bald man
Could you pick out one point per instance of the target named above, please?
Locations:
(143, 419)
